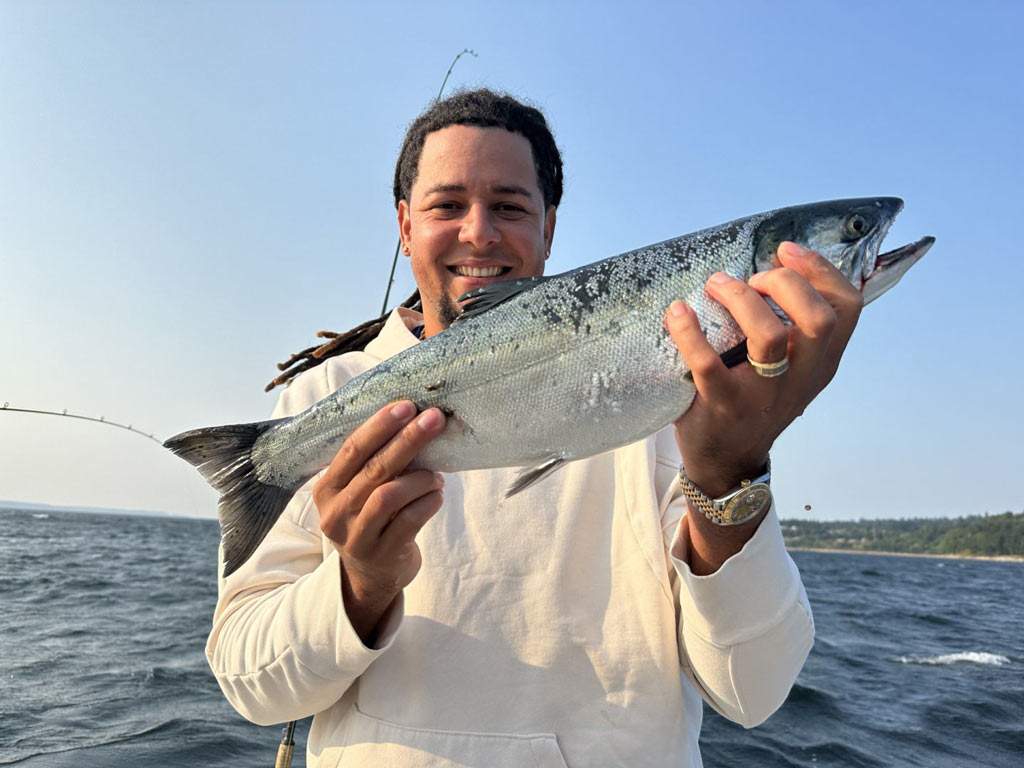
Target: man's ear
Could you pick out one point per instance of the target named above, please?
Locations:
(404, 226)
(549, 229)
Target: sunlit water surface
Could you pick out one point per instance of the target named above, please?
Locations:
(917, 662)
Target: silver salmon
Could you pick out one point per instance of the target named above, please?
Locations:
(540, 371)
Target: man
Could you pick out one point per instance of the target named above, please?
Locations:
(579, 622)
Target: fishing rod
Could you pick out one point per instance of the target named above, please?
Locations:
(286, 749)
(398, 245)
(101, 420)
(287, 746)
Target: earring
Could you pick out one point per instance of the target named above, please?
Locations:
(405, 249)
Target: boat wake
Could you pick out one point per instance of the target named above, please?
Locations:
(964, 657)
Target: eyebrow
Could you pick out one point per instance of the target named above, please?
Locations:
(511, 189)
(499, 189)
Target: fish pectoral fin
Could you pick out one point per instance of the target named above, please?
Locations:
(531, 475)
(490, 296)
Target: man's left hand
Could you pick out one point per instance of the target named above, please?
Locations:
(725, 435)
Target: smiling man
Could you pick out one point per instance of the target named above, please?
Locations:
(425, 621)
(475, 214)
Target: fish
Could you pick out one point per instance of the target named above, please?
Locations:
(540, 371)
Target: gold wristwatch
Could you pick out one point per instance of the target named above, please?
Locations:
(739, 505)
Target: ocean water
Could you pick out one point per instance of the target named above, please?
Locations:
(918, 661)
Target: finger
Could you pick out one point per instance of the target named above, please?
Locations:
(767, 337)
(385, 502)
(836, 289)
(365, 441)
(402, 529)
(829, 282)
(706, 367)
(814, 321)
(812, 316)
(391, 460)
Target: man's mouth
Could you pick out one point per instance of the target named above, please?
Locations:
(466, 271)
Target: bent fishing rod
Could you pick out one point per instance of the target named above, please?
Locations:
(287, 747)
(101, 420)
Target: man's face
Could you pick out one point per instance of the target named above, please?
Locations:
(476, 216)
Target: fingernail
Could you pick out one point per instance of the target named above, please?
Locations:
(439, 478)
(790, 248)
(720, 278)
(403, 410)
(677, 308)
(429, 419)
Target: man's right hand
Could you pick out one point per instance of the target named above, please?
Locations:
(372, 512)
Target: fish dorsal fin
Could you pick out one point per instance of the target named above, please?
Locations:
(490, 296)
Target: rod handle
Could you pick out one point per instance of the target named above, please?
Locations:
(284, 756)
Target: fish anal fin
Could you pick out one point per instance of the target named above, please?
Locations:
(490, 296)
(532, 475)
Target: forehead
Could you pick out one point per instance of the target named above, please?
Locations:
(469, 156)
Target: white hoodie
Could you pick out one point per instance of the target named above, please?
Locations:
(551, 629)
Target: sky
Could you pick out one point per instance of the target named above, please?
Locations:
(190, 190)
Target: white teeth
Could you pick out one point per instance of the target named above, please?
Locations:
(478, 271)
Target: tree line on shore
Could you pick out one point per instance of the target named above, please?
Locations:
(1001, 534)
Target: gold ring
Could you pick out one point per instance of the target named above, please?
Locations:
(769, 370)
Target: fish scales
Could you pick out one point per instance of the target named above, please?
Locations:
(542, 371)
(557, 363)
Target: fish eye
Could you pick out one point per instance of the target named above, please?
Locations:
(855, 227)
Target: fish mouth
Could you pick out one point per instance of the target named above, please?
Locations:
(892, 265)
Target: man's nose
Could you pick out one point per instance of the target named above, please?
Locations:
(478, 228)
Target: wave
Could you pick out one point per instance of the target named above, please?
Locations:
(95, 741)
(969, 657)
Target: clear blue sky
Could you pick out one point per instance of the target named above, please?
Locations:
(189, 191)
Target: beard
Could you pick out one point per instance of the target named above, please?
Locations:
(447, 310)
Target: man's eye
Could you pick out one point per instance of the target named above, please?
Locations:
(511, 208)
(446, 208)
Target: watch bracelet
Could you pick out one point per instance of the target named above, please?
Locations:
(705, 504)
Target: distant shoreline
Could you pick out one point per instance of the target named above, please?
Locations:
(996, 558)
(37, 508)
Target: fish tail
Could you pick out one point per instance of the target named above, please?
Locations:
(248, 507)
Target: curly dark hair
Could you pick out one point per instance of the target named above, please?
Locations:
(486, 109)
(483, 108)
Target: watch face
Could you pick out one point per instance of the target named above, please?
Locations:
(752, 501)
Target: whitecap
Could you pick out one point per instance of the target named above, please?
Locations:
(970, 657)
(40, 516)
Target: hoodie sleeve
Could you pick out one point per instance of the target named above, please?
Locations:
(281, 646)
(745, 630)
